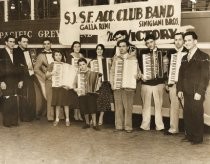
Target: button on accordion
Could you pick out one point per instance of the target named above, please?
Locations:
(174, 67)
(103, 66)
(153, 65)
(65, 75)
(125, 72)
(88, 82)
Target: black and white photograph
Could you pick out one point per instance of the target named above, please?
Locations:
(104, 81)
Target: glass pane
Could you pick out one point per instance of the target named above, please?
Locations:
(126, 1)
(48, 8)
(1, 11)
(54, 8)
(86, 2)
(195, 5)
(19, 9)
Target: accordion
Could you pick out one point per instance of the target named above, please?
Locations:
(174, 67)
(102, 66)
(65, 75)
(125, 72)
(29, 63)
(153, 65)
(88, 82)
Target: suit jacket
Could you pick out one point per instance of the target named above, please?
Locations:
(194, 75)
(40, 67)
(22, 61)
(10, 72)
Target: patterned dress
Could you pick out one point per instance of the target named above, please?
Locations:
(105, 97)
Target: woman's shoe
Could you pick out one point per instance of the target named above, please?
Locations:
(67, 123)
(55, 123)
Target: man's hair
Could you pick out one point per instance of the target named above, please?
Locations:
(46, 39)
(192, 33)
(72, 46)
(121, 32)
(8, 37)
(22, 36)
(123, 41)
(149, 36)
(81, 60)
(179, 33)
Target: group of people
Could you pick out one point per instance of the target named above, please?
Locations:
(17, 78)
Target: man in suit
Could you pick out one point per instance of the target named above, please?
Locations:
(28, 97)
(44, 59)
(175, 105)
(192, 84)
(10, 81)
(152, 87)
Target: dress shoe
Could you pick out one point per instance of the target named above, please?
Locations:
(96, 128)
(140, 129)
(118, 130)
(185, 139)
(161, 130)
(196, 142)
(86, 126)
(128, 131)
(169, 133)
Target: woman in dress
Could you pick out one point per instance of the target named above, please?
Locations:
(60, 95)
(72, 59)
(105, 91)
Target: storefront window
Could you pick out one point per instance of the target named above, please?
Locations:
(93, 2)
(195, 5)
(127, 1)
(18, 9)
(1, 11)
(48, 9)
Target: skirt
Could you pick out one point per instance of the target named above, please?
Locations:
(64, 97)
(88, 103)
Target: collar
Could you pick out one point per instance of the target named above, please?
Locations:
(192, 52)
(153, 50)
(179, 50)
(47, 52)
(123, 56)
(76, 55)
(9, 50)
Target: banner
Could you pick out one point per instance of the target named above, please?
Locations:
(136, 18)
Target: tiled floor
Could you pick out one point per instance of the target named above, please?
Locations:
(41, 143)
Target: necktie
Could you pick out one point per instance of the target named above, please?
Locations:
(188, 56)
(11, 55)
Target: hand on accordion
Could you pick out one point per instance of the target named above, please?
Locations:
(143, 78)
(137, 76)
(197, 96)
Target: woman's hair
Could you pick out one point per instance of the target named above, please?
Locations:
(57, 51)
(102, 47)
(72, 46)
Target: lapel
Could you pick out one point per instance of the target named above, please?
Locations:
(196, 55)
(7, 57)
